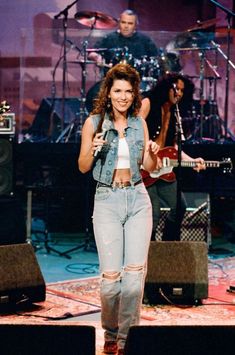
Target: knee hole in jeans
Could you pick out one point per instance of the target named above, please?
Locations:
(111, 275)
(134, 268)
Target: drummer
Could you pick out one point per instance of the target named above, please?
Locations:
(124, 44)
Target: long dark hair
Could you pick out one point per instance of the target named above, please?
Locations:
(165, 83)
(121, 71)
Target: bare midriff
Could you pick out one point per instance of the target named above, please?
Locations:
(122, 175)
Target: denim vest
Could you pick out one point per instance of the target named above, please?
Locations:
(106, 161)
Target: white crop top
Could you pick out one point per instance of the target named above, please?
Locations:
(123, 161)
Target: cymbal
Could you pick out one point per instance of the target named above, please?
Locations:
(82, 61)
(205, 77)
(104, 49)
(96, 19)
(96, 49)
(203, 25)
(194, 49)
(192, 40)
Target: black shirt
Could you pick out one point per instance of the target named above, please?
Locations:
(120, 48)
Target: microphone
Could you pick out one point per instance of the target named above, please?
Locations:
(100, 147)
(73, 45)
(174, 87)
(106, 126)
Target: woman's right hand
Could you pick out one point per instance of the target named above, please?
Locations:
(97, 142)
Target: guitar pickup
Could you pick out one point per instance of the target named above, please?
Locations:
(166, 162)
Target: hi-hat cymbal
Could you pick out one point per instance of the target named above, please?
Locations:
(191, 40)
(203, 25)
(96, 19)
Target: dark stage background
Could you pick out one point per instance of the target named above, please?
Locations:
(63, 197)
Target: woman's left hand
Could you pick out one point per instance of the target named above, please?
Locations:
(152, 147)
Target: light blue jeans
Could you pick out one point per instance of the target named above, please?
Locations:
(122, 226)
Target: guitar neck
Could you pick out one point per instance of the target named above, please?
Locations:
(191, 164)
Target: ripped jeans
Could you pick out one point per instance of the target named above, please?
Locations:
(122, 226)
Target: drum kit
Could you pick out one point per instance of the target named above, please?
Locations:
(151, 69)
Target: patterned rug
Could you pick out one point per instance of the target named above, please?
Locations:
(78, 297)
(68, 299)
(218, 308)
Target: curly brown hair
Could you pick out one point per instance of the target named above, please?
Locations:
(121, 71)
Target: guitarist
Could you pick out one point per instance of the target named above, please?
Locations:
(158, 109)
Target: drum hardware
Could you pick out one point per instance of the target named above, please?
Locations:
(63, 13)
(212, 117)
(218, 48)
(205, 114)
(169, 62)
(232, 65)
(208, 48)
(191, 41)
(229, 15)
(78, 123)
(93, 20)
(96, 20)
(96, 49)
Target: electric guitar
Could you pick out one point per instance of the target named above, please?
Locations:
(168, 156)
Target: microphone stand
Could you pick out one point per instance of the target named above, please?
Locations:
(229, 15)
(180, 138)
(64, 13)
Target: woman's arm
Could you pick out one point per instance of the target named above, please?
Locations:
(145, 108)
(150, 158)
(85, 159)
(89, 145)
(200, 161)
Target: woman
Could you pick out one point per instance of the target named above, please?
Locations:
(159, 110)
(115, 143)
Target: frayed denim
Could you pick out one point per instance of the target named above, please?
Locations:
(122, 225)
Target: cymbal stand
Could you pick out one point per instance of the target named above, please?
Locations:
(67, 132)
(83, 112)
(215, 130)
(202, 98)
(64, 13)
(230, 14)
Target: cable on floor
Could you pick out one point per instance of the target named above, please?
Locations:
(83, 268)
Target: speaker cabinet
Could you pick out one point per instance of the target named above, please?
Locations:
(6, 165)
(180, 340)
(12, 221)
(196, 222)
(47, 339)
(21, 279)
(177, 272)
(48, 119)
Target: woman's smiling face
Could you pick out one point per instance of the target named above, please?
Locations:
(121, 95)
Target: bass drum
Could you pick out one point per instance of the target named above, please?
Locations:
(91, 95)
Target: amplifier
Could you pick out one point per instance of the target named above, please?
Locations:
(196, 223)
(7, 123)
